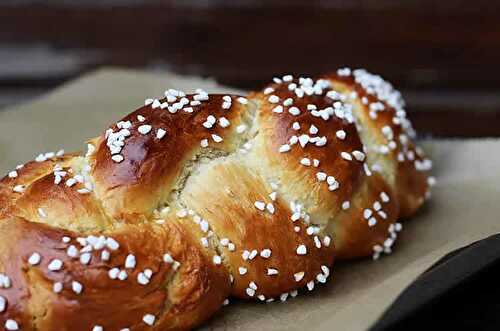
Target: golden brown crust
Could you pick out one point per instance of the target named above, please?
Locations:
(15, 183)
(387, 132)
(225, 195)
(68, 208)
(353, 228)
(177, 298)
(151, 166)
(195, 198)
(299, 180)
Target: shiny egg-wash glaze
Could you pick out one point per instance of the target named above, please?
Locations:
(193, 199)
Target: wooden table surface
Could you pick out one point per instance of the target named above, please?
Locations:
(444, 55)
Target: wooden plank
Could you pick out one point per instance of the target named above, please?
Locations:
(419, 44)
(455, 5)
(443, 54)
(462, 124)
(41, 62)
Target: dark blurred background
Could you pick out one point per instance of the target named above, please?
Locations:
(444, 55)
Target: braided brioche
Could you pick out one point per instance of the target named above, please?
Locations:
(195, 198)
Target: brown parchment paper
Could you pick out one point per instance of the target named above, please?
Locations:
(465, 206)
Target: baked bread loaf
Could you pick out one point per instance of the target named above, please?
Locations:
(192, 199)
